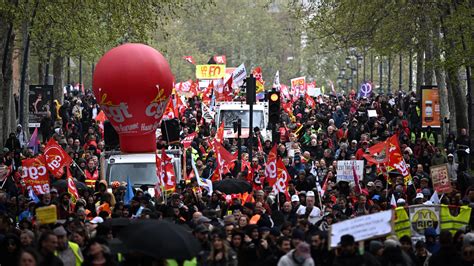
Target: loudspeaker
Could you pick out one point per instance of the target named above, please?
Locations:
(111, 137)
(170, 130)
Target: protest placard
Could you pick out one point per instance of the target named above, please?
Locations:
(46, 215)
(362, 227)
(345, 171)
(439, 176)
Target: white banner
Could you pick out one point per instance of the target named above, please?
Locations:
(345, 172)
(239, 74)
(362, 228)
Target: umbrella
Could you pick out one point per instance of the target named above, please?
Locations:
(232, 186)
(160, 240)
(62, 184)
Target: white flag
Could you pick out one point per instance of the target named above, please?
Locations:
(276, 80)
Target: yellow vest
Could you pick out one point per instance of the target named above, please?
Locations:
(454, 223)
(402, 223)
(75, 249)
(172, 262)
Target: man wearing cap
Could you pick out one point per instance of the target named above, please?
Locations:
(348, 254)
(419, 199)
(310, 212)
(69, 252)
(301, 255)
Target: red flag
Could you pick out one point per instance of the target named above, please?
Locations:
(220, 59)
(189, 59)
(310, 101)
(56, 158)
(271, 167)
(188, 140)
(220, 133)
(228, 90)
(356, 180)
(35, 174)
(165, 172)
(260, 147)
(283, 178)
(224, 157)
(377, 153)
(72, 190)
(325, 187)
(170, 112)
(101, 117)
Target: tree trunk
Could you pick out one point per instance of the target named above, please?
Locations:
(429, 62)
(41, 80)
(440, 81)
(58, 73)
(451, 107)
(25, 78)
(419, 72)
(459, 96)
(6, 80)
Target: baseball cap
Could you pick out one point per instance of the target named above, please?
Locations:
(450, 155)
(97, 220)
(295, 198)
(370, 184)
(310, 194)
(400, 201)
(419, 196)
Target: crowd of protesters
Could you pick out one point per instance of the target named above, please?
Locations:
(263, 228)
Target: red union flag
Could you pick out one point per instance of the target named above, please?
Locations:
(71, 187)
(220, 59)
(188, 140)
(56, 158)
(283, 178)
(165, 172)
(35, 174)
(271, 168)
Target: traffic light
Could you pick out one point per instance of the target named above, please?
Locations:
(274, 107)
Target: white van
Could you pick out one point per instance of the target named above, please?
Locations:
(229, 112)
(140, 167)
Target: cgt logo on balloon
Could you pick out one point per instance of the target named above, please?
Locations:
(119, 113)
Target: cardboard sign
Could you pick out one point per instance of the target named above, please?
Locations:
(210, 71)
(372, 113)
(362, 228)
(345, 172)
(239, 74)
(439, 176)
(46, 215)
(298, 86)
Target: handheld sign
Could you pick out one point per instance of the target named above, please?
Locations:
(46, 215)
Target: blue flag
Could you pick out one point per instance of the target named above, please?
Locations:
(129, 193)
(33, 196)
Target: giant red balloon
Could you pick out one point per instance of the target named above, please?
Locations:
(132, 84)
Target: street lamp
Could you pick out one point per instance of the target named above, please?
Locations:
(348, 61)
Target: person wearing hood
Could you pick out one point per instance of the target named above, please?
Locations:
(301, 255)
(20, 134)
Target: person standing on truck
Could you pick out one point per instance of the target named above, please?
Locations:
(92, 173)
